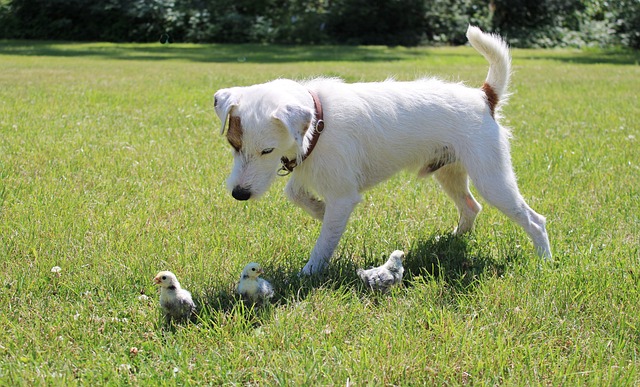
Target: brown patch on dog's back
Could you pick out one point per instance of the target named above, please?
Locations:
(492, 97)
(234, 134)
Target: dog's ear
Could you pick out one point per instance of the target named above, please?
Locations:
(296, 118)
(224, 101)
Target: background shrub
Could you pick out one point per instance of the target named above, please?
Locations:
(525, 23)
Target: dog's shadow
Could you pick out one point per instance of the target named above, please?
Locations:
(450, 258)
(444, 257)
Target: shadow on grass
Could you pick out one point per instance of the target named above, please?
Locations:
(214, 53)
(449, 258)
(259, 53)
(441, 257)
(615, 57)
(288, 286)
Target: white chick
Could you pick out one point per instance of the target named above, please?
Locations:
(175, 301)
(383, 277)
(251, 287)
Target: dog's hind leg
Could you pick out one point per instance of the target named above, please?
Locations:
(302, 198)
(336, 215)
(454, 181)
(492, 174)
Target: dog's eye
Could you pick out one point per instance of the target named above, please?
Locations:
(267, 151)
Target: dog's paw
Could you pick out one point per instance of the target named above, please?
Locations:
(305, 272)
(312, 268)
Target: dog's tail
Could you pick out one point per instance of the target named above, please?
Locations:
(496, 51)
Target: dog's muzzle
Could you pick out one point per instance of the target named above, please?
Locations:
(241, 193)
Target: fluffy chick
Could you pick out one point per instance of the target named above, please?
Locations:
(383, 277)
(176, 302)
(251, 287)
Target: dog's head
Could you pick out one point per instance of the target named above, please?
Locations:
(266, 122)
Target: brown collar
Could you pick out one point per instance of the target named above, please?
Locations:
(288, 165)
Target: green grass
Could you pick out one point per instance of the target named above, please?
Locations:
(112, 167)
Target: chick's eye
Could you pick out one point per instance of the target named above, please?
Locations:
(253, 269)
(267, 151)
(164, 277)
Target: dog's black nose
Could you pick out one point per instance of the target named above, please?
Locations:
(240, 193)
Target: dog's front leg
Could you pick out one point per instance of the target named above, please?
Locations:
(336, 215)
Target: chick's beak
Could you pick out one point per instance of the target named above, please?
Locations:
(157, 280)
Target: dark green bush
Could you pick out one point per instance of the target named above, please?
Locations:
(391, 22)
(525, 23)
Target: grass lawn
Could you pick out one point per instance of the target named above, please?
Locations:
(112, 168)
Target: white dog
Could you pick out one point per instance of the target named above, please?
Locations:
(369, 132)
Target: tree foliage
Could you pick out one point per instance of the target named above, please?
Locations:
(525, 23)
(392, 22)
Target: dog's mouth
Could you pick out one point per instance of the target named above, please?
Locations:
(241, 193)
